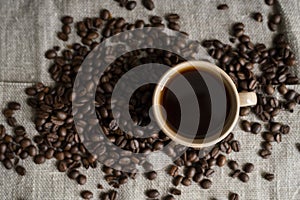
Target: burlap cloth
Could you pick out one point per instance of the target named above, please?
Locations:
(28, 28)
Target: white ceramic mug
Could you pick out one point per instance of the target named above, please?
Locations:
(238, 100)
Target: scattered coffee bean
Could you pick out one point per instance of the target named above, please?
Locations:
(246, 126)
(177, 180)
(152, 193)
(221, 160)
(186, 181)
(86, 194)
(236, 173)
(233, 165)
(233, 196)
(175, 191)
(67, 20)
(269, 176)
(298, 146)
(131, 5)
(258, 17)
(81, 179)
(248, 168)
(39, 159)
(244, 177)
(285, 129)
(245, 111)
(169, 197)
(20, 170)
(267, 146)
(148, 4)
(235, 145)
(7, 163)
(222, 7)
(62, 36)
(270, 2)
(269, 137)
(256, 128)
(276, 18)
(151, 175)
(265, 153)
(206, 183)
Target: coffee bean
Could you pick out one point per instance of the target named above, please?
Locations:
(221, 160)
(275, 127)
(173, 171)
(298, 146)
(222, 7)
(20, 170)
(186, 181)
(62, 166)
(151, 175)
(282, 89)
(233, 165)
(8, 113)
(244, 177)
(206, 183)
(105, 14)
(246, 126)
(278, 137)
(270, 2)
(62, 36)
(86, 194)
(152, 193)
(19, 131)
(155, 19)
(248, 168)
(175, 191)
(174, 26)
(236, 173)
(258, 17)
(235, 145)
(14, 105)
(11, 121)
(245, 111)
(285, 129)
(233, 196)
(67, 20)
(290, 95)
(269, 89)
(267, 146)
(39, 159)
(50, 54)
(148, 4)
(276, 18)
(73, 174)
(173, 17)
(177, 180)
(269, 137)
(130, 5)
(169, 197)
(81, 179)
(2, 131)
(7, 163)
(272, 26)
(269, 176)
(265, 153)
(256, 128)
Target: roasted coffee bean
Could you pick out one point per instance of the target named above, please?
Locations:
(14, 106)
(81, 179)
(285, 129)
(8, 113)
(276, 18)
(222, 7)
(19, 131)
(174, 26)
(290, 95)
(130, 5)
(233, 165)
(244, 177)
(269, 176)
(11, 121)
(265, 153)
(206, 183)
(20, 170)
(105, 15)
(175, 191)
(152, 193)
(272, 26)
(246, 126)
(221, 160)
(270, 2)
(258, 17)
(269, 137)
(7, 163)
(67, 20)
(298, 146)
(236, 173)
(39, 159)
(267, 146)
(256, 128)
(62, 166)
(248, 168)
(269, 89)
(245, 111)
(66, 29)
(62, 36)
(186, 181)
(278, 137)
(155, 19)
(169, 197)
(177, 180)
(148, 4)
(151, 175)
(282, 89)
(86, 194)
(275, 127)
(235, 145)
(173, 171)
(73, 174)
(50, 54)
(2, 131)
(173, 17)
(233, 196)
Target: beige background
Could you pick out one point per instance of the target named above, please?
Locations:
(28, 29)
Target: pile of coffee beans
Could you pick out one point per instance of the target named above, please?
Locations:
(59, 139)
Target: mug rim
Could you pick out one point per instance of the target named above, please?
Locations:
(173, 135)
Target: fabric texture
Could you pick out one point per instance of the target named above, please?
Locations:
(28, 28)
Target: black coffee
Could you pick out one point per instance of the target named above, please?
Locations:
(196, 103)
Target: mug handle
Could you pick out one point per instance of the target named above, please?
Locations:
(247, 99)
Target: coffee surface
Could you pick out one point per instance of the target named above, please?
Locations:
(195, 103)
